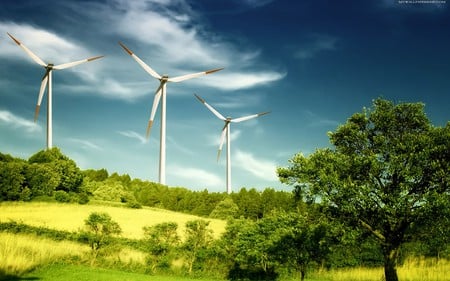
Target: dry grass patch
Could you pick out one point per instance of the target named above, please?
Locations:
(22, 253)
(416, 269)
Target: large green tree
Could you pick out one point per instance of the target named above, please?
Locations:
(388, 170)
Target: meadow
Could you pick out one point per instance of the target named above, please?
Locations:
(70, 217)
(35, 258)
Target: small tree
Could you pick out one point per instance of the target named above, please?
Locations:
(100, 228)
(162, 241)
(198, 238)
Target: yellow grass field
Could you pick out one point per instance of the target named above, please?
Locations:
(22, 253)
(414, 269)
(70, 217)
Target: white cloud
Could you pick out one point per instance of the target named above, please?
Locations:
(133, 135)
(318, 121)
(317, 43)
(260, 168)
(256, 3)
(50, 47)
(166, 34)
(179, 147)
(18, 122)
(214, 140)
(241, 80)
(85, 144)
(178, 38)
(200, 176)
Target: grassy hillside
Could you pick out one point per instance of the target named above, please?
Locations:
(70, 217)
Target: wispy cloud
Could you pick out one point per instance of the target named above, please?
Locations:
(260, 168)
(214, 139)
(314, 45)
(315, 120)
(50, 47)
(414, 6)
(179, 38)
(133, 135)
(167, 34)
(85, 144)
(15, 121)
(57, 49)
(242, 79)
(204, 177)
(255, 3)
(178, 146)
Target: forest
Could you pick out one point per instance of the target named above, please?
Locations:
(380, 195)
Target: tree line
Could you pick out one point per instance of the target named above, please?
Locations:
(49, 174)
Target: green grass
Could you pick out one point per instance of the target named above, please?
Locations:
(84, 273)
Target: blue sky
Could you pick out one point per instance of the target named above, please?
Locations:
(311, 63)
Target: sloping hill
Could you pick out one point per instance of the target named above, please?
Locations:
(70, 217)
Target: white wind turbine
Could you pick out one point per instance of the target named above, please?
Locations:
(47, 81)
(226, 133)
(161, 94)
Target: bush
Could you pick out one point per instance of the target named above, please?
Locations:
(62, 196)
(83, 198)
(134, 205)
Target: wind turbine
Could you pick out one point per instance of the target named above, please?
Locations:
(47, 82)
(160, 94)
(226, 133)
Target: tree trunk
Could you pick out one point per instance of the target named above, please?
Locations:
(390, 270)
(302, 269)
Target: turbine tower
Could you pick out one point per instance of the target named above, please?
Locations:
(160, 94)
(226, 134)
(47, 82)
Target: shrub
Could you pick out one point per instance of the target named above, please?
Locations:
(62, 196)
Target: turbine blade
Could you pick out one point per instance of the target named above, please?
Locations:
(193, 75)
(41, 95)
(154, 108)
(30, 53)
(147, 68)
(220, 116)
(222, 140)
(72, 64)
(245, 118)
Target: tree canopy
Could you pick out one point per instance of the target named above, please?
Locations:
(388, 170)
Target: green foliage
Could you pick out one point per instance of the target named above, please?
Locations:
(99, 229)
(198, 239)
(260, 249)
(12, 180)
(387, 168)
(110, 190)
(96, 175)
(162, 241)
(70, 176)
(42, 179)
(62, 196)
(225, 209)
